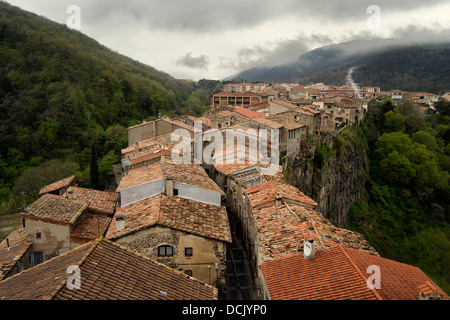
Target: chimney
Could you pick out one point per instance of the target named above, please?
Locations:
(169, 187)
(70, 194)
(309, 248)
(7, 243)
(120, 222)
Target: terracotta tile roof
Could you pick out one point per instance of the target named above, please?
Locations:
(144, 148)
(284, 104)
(101, 202)
(269, 191)
(186, 215)
(236, 165)
(283, 228)
(70, 181)
(141, 175)
(290, 125)
(148, 157)
(268, 123)
(91, 227)
(18, 245)
(249, 113)
(108, 272)
(191, 174)
(340, 274)
(55, 209)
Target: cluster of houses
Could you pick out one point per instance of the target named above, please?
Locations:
(163, 234)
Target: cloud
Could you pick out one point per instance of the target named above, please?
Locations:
(189, 61)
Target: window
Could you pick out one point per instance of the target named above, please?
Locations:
(188, 252)
(36, 258)
(189, 272)
(38, 235)
(175, 192)
(165, 251)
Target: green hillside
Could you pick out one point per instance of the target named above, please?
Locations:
(409, 68)
(65, 96)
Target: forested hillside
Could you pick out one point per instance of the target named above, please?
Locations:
(409, 68)
(64, 97)
(406, 216)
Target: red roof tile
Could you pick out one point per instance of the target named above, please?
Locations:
(272, 190)
(101, 202)
(9, 255)
(56, 209)
(70, 181)
(108, 272)
(340, 273)
(186, 215)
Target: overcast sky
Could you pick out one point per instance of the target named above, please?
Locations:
(214, 39)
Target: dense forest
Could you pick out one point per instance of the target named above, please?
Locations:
(406, 214)
(66, 101)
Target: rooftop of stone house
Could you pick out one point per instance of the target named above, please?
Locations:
(55, 209)
(191, 174)
(69, 181)
(108, 272)
(283, 229)
(270, 191)
(102, 202)
(11, 250)
(340, 273)
(181, 214)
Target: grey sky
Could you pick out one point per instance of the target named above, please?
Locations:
(214, 39)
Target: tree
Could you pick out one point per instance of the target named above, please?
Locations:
(394, 122)
(397, 169)
(414, 119)
(426, 139)
(94, 173)
(32, 180)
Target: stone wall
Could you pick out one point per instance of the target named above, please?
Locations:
(207, 261)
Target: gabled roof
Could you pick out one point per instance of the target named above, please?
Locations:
(102, 202)
(270, 191)
(9, 255)
(249, 113)
(282, 229)
(55, 209)
(340, 273)
(191, 174)
(108, 272)
(181, 214)
(69, 181)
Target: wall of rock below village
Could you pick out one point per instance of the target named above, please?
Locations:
(338, 184)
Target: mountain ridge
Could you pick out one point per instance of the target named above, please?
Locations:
(375, 61)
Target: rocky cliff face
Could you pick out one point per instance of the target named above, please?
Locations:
(334, 176)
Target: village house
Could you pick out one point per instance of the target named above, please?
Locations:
(342, 273)
(278, 106)
(275, 221)
(160, 129)
(15, 254)
(55, 224)
(107, 271)
(59, 187)
(188, 181)
(344, 110)
(245, 99)
(187, 235)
